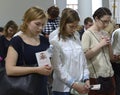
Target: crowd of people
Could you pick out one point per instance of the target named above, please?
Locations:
(81, 55)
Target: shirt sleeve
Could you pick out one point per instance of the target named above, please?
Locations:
(85, 70)
(16, 43)
(86, 41)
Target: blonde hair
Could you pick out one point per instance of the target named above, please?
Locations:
(31, 14)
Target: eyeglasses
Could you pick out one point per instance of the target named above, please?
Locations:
(105, 21)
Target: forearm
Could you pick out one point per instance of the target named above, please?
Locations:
(18, 70)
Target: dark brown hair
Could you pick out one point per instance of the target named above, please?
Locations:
(53, 11)
(87, 19)
(100, 12)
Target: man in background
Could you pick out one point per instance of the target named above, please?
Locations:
(88, 22)
(53, 20)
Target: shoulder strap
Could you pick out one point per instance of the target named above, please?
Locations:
(94, 35)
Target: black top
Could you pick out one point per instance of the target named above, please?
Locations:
(4, 43)
(81, 33)
(26, 53)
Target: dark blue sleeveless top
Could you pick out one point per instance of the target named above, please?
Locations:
(26, 53)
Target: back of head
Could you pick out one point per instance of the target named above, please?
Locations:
(33, 13)
(88, 19)
(88, 22)
(100, 12)
(53, 12)
(65, 10)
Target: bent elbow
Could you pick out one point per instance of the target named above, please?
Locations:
(9, 71)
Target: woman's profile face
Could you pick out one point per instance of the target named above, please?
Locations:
(104, 21)
(36, 26)
(71, 27)
(11, 31)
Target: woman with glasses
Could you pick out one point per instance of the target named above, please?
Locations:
(68, 59)
(98, 51)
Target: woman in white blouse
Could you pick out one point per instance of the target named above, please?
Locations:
(68, 59)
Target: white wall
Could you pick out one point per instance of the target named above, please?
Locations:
(61, 4)
(105, 3)
(84, 9)
(14, 9)
(96, 4)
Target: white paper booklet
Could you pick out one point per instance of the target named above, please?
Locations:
(43, 58)
(95, 87)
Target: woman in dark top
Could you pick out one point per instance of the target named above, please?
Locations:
(9, 30)
(23, 48)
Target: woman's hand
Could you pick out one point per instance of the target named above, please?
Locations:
(81, 88)
(87, 85)
(105, 41)
(44, 70)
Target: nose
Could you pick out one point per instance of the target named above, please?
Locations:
(41, 27)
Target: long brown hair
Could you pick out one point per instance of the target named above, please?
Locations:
(69, 16)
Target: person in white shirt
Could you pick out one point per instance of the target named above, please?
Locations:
(116, 51)
(55, 32)
(68, 59)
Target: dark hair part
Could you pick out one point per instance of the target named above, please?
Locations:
(53, 11)
(87, 19)
(100, 12)
(69, 16)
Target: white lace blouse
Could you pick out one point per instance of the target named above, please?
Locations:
(69, 63)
